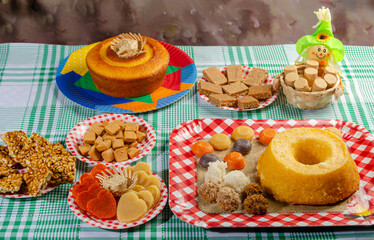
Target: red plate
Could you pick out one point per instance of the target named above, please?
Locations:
(115, 224)
(183, 176)
(75, 137)
(263, 103)
(25, 195)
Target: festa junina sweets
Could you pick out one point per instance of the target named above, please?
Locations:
(46, 164)
(307, 166)
(125, 194)
(128, 65)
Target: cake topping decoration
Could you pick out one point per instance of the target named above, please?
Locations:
(128, 45)
(116, 181)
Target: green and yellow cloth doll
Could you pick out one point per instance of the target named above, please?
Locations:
(321, 46)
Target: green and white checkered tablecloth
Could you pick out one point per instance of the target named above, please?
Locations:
(31, 101)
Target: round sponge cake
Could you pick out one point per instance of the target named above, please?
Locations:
(308, 166)
(128, 78)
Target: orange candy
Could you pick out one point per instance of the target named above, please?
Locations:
(235, 160)
(201, 148)
(83, 197)
(266, 135)
(104, 206)
(98, 169)
(85, 181)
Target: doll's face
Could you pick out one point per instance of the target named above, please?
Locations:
(318, 52)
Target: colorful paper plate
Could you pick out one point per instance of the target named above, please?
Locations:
(115, 224)
(263, 103)
(183, 198)
(25, 195)
(75, 137)
(75, 82)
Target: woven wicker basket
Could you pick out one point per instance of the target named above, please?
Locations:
(309, 100)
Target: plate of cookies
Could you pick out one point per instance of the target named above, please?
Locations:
(236, 87)
(118, 197)
(111, 139)
(31, 166)
(269, 173)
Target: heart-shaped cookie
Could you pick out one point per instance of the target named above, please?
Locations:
(130, 208)
(104, 206)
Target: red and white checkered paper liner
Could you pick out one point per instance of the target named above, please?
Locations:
(263, 103)
(115, 224)
(75, 137)
(25, 195)
(183, 199)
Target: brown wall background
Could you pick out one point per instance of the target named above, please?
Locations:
(182, 22)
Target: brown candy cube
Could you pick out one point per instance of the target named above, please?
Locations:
(120, 135)
(133, 152)
(131, 126)
(140, 136)
(94, 154)
(120, 123)
(108, 155)
(134, 144)
(120, 155)
(89, 137)
(98, 140)
(96, 125)
(118, 143)
(97, 130)
(130, 136)
(84, 149)
(109, 137)
(112, 128)
(106, 144)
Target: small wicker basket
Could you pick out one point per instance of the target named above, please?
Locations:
(309, 100)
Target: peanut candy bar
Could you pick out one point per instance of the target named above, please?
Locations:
(11, 183)
(5, 159)
(63, 169)
(37, 177)
(6, 171)
(15, 141)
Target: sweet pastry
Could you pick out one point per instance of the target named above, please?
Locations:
(308, 166)
(128, 66)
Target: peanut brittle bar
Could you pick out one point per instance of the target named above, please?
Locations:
(37, 177)
(11, 183)
(5, 159)
(6, 171)
(16, 141)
